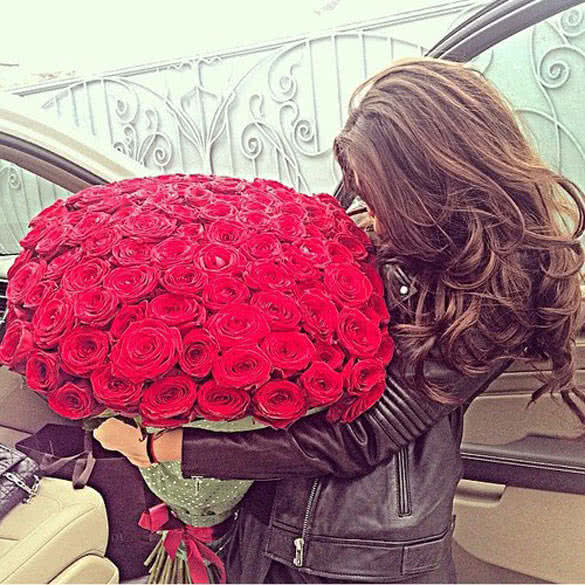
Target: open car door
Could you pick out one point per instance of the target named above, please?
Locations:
(41, 159)
(520, 511)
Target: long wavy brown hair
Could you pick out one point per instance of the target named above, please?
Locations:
(489, 233)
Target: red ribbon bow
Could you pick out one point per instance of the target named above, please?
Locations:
(194, 539)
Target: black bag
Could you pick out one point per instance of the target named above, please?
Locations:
(19, 478)
(71, 453)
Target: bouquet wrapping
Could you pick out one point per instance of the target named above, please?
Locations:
(196, 299)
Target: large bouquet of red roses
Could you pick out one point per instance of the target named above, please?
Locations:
(194, 296)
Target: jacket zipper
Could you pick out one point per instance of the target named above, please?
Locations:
(404, 504)
(300, 542)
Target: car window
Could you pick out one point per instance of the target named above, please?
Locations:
(541, 71)
(22, 195)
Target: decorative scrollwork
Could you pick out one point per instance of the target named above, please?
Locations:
(12, 192)
(554, 68)
(572, 22)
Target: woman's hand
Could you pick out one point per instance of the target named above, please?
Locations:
(116, 435)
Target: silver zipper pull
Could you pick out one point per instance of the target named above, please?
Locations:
(198, 479)
(299, 546)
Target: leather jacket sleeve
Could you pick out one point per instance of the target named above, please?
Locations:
(313, 447)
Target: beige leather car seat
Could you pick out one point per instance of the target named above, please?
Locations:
(60, 536)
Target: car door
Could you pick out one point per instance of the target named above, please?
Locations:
(40, 160)
(520, 509)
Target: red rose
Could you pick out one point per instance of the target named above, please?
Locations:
(348, 227)
(53, 240)
(108, 204)
(89, 195)
(24, 257)
(191, 231)
(348, 285)
(364, 375)
(100, 243)
(279, 403)
(24, 279)
(42, 371)
(293, 210)
(61, 263)
(224, 290)
(376, 309)
(359, 335)
(131, 251)
(115, 393)
(313, 249)
(83, 350)
(330, 354)
(200, 351)
(371, 271)
(88, 224)
(339, 253)
(274, 186)
(320, 315)
(319, 215)
(220, 259)
(16, 344)
(328, 200)
(52, 320)
(227, 231)
(146, 350)
(125, 316)
(95, 306)
(173, 250)
(298, 265)
(267, 274)
(237, 324)
(55, 211)
(288, 351)
(262, 247)
(241, 367)
(184, 279)
(348, 409)
(132, 283)
(253, 205)
(254, 219)
(169, 402)
(86, 275)
(217, 210)
(288, 227)
(132, 185)
(282, 312)
(217, 403)
(181, 212)
(33, 236)
(149, 225)
(74, 400)
(386, 348)
(225, 184)
(323, 384)
(39, 293)
(175, 310)
(355, 246)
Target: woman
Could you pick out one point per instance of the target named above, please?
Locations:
(480, 254)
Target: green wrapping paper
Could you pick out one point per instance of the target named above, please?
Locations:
(199, 501)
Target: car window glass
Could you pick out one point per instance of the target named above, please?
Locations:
(22, 195)
(541, 71)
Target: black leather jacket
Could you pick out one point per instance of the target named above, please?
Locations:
(368, 501)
